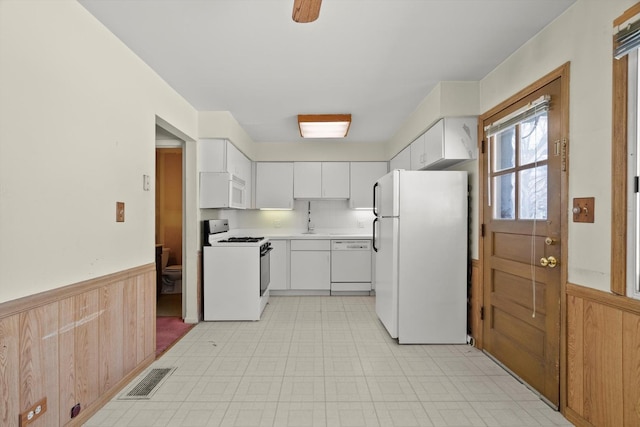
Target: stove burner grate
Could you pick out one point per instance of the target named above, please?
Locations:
(241, 240)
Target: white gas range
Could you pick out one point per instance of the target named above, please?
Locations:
(236, 273)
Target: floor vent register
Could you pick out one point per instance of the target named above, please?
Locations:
(148, 385)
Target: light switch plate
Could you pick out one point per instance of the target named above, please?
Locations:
(584, 209)
(119, 211)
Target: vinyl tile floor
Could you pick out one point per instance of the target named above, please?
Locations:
(324, 361)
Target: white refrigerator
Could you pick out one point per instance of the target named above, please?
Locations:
(420, 255)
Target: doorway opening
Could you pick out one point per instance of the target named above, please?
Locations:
(169, 238)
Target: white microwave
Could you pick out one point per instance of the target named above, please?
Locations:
(222, 190)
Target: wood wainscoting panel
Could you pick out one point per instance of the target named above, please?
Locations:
(130, 324)
(77, 344)
(111, 336)
(603, 364)
(146, 313)
(150, 315)
(39, 361)
(603, 358)
(67, 359)
(9, 375)
(631, 368)
(575, 353)
(87, 360)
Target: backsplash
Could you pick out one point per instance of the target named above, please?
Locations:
(325, 215)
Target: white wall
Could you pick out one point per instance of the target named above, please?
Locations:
(581, 35)
(447, 99)
(77, 132)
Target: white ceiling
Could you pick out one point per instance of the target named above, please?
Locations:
(375, 59)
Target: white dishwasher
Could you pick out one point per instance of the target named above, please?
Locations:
(350, 266)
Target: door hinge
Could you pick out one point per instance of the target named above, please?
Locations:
(560, 149)
(482, 146)
(482, 313)
(636, 184)
(482, 230)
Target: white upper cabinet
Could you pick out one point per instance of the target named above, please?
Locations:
(335, 180)
(450, 141)
(307, 180)
(212, 155)
(363, 176)
(274, 185)
(220, 155)
(402, 160)
(321, 180)
(237, 163)
(417, 153)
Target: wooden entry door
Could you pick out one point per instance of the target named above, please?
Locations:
(522, 174)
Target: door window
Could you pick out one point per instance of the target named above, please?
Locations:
(518, 169)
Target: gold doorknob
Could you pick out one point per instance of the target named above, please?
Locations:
(551, 262)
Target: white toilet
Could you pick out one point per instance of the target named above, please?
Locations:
(171, 275)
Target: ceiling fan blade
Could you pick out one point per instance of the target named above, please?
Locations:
(306, 10)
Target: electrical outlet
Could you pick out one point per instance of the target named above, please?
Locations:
(276, 223)
(360, 224)
(146, 182)
(75, 411)
(119, 211)
(33, 413)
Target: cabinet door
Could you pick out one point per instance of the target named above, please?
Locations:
(402, 160)
(307, 180)
(363, 176)
(335, 180)
(274, 185)
(279, 265)
(434, 143)
(234, 160)
(311, 270)
(417, 153)
(460, 138)
(211, 155)
(240, 165)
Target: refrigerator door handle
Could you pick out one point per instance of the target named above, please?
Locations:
(374, 199)
(375, 248)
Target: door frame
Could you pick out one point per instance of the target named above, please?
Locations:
(561, 72)
(177, 141)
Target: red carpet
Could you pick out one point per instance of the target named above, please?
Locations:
(168, 331)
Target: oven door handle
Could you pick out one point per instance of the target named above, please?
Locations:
(266, 251)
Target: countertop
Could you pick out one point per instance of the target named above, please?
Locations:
(301, 234)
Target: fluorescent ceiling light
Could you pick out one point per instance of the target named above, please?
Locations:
(324, 125)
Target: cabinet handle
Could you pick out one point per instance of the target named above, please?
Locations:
(374, 235)
(374, 199)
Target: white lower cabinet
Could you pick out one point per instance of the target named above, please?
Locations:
(311, 265)
(279, 265)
